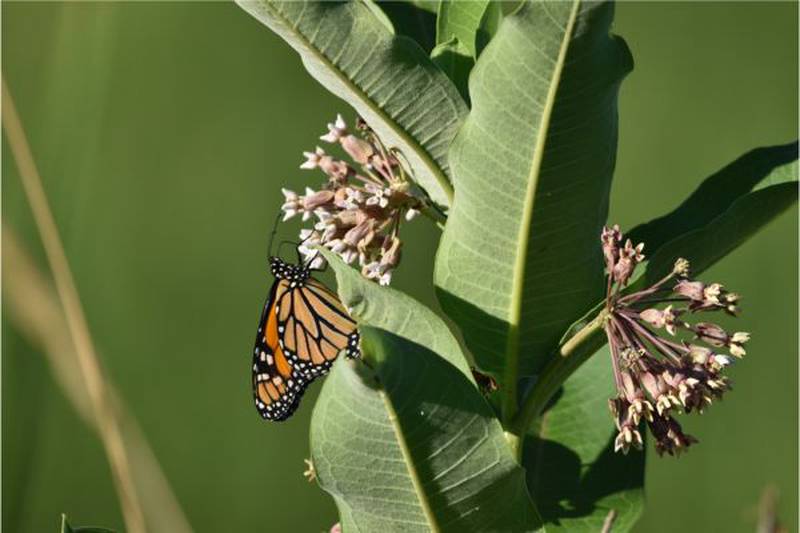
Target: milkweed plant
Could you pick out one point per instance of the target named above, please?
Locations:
(566, 339)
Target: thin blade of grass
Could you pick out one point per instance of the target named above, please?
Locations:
(46, 314)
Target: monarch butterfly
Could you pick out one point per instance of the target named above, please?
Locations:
(302, 329)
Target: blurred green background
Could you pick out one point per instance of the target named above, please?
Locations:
(163, 132)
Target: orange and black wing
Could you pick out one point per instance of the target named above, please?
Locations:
(314, 327)
(277, 384)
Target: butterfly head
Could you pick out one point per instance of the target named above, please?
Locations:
(283, 270)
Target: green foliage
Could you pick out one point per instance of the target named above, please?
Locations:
(388, 79)
(404, 440)
(725, 210)
(510, 125)
(570, 461)
(462, 30)
(453, 58)
(412, 20)
(572, 468)
(532, 165)
(461, 20)
(409, 444)
(395, 312)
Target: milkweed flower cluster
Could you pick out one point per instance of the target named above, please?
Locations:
(358, 211)
(663, 363)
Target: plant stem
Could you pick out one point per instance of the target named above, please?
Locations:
(568, 358)
(96, 387)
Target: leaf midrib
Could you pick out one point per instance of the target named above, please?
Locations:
(426, 158)
(408, 460)
(512, 344)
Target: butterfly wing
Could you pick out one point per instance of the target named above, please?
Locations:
(314, 327)
(277, 384)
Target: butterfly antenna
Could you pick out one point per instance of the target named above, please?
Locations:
(274, 231)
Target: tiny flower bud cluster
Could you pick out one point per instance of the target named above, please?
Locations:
(658, 374)
(359, 210)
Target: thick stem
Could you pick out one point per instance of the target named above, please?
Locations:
(567, 359)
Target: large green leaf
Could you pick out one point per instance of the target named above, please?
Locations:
(391, 310)
(411, 445)
(728, 208)
(572, 468)
(532, 169)
(388, 79)
(570, 463)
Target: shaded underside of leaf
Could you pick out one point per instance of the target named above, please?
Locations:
(573, 472)
(431, 6)
(462, 21)
(462, 30)
(705, 246)
(756, 169)
(454, 60)
(532, 166)
(414, 21)
(411, 445)
(761, 193)
(388, 79)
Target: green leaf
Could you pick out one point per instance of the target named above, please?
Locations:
(66, 528)
(383, 307)
(462, 21)
(572, 468)
(519, 259)
(570, 462)
(490, 23)
(458, 27)
(381, 15)
(454, 60)
(724, 211)
(431, 6)
(412, 20)
(388, 79)
(411, 445)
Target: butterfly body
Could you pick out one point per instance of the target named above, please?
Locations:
(302, 330)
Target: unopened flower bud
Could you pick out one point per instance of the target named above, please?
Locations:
(610, 238)
(359, 149)
(690, 289)
(711, 334)
(314, 200)
(357, 233)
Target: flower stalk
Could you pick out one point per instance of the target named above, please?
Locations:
(663, 363)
